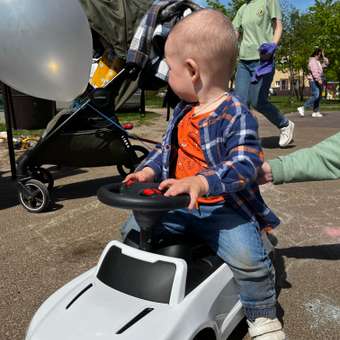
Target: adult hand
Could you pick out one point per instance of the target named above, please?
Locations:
(265, 174)
(145, 175)
(195, 186)
(265, 56)
(267, 50)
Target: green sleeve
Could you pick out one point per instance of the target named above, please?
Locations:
(237, 22)
(274, 9)
(320, 162)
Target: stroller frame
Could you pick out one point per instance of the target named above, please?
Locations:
(35, 183)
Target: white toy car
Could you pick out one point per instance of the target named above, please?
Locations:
(174, 292)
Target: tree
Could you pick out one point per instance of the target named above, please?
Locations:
(216, 4)
(229, 10)
(326, 21)
(295, 47)
(303, 32)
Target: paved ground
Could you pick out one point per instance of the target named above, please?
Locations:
(41, 252)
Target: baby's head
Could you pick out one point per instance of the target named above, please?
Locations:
(201, 49)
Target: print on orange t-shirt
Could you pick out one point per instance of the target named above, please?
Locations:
(190, 157)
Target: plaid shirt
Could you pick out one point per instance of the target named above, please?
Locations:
(231, 148)
(148, 41)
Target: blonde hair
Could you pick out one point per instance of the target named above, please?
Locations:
(208, 37)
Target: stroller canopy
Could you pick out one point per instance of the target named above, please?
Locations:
(116, 20)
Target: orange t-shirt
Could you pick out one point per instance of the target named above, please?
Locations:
(190, 157)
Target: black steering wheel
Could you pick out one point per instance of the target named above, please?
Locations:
(140, 197)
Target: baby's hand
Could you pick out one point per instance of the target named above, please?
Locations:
(195, 186)
(145, 175)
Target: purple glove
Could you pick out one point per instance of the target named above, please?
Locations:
(266, 66)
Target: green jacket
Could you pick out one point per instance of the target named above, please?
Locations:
(320, 162)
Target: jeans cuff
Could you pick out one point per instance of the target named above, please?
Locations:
(260, 312)
(284, 124)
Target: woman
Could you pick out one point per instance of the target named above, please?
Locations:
(258, 23)
(317, 62)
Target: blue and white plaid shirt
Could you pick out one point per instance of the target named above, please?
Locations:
(231, 147)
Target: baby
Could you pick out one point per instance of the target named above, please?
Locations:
(211, 151)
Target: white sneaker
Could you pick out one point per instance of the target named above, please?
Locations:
(301, 111)
(266, 329)
(286, 134)
(317, 115)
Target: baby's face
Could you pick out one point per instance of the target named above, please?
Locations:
(180, 79)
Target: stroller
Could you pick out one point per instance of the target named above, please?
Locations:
(88, 133)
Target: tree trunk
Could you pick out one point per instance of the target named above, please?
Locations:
(303, 86)
(291, 92)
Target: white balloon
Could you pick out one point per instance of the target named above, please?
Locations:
(45, 47)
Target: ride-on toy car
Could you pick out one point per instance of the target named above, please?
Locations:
(142, 289)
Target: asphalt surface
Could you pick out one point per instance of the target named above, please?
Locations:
(41, 252)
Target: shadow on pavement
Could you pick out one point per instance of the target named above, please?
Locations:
(272, 142)
(8, 192)
(320, 252)
(82, 189)
(62, 172)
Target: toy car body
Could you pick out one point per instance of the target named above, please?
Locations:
(150, 296)
(177, 290)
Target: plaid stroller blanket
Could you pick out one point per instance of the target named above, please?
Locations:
(149, 39)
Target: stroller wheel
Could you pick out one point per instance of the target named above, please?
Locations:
(139, 154)
(44, 176)
(34, 196)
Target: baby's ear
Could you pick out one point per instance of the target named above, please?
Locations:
(193, 68)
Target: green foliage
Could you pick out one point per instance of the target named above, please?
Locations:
(303, 33)
(289, 104)
(229, 10)
(326, 21)
(216, 4)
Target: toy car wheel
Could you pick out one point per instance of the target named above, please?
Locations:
(126, 169)
(34, 196)
(44, 176)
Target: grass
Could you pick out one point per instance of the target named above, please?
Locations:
(151, 101)
(136, 118)
(124, 117)
(289, 104)
(17, 133)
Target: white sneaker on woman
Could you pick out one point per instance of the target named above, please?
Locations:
(266, 329)
(301, 111)
(317, 114)
(286, 134)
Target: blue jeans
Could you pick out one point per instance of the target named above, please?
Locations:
(237, 241)
(314, 100)
(257, 94)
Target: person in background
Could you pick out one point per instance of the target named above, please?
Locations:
(258, 24)
(212, 152)
(317, 63)
(320, 162)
